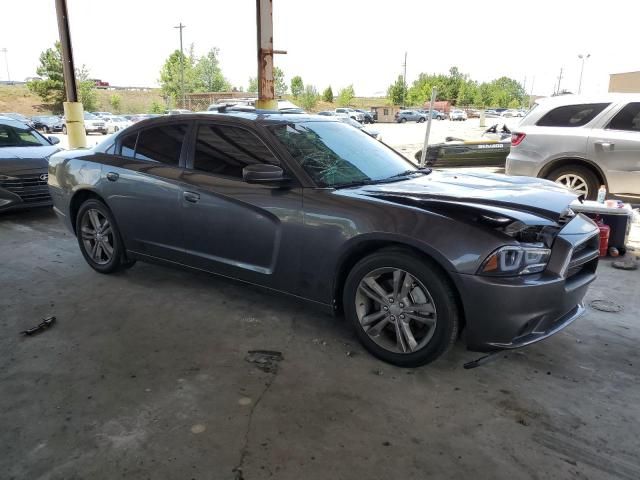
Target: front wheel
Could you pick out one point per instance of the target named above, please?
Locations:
(421, 120)
(64, 129)
(99, 238)
(403, 120)
(576, 178)
(402, 307)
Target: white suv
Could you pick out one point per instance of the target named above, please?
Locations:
(581, 143)
(351, 113)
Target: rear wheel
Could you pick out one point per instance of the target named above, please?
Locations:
(421, 120)
(403, 120)
(402, 307)
(64, 129)
(577, 178)
(99, 238)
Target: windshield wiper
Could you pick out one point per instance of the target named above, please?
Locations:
(424, 171)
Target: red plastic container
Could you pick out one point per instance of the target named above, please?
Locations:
(605, 231)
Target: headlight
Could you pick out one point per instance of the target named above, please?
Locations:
(516, 260)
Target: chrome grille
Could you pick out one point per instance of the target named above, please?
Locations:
(30, 188)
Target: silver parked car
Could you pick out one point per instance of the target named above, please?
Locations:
(581, 143)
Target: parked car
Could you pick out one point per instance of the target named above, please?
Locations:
(511, 113)
(490, 113)
(47, 123)
(458, 115)
(368, 116)
(351, 113)
(435, 114)
(369, 131)
(102, 114)
(116, 123)
(490, 150)
(473, 113)
(92, 124)
(144, 116)
(327, 113)
(24, 154)
(581, 143)
(308, 206)
(410, 115)
(177, 111)
(17, 116)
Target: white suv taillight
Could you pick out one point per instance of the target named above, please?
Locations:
(517, 138)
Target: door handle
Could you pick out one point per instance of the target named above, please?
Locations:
(112, 176)
(191, 197)
(606, 145)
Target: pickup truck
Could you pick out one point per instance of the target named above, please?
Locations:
(350, 113)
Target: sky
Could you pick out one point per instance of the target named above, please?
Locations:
(339, 42)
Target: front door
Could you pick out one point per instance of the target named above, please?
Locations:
(234, 228)
(144, 186)
(616, 149)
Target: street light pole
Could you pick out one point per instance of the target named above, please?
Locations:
(583, 58)
(181, 26)
(6, 62)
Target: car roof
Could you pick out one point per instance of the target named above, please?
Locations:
(12, 122)
(571, 99)
(259, 116)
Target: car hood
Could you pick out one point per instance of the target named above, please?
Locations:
(15, 159)
(489, 192)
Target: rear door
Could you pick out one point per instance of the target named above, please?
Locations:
(241, 230)
(143, 182)
(615, 146)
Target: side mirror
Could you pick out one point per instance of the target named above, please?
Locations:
(263, 173)
(54, 140)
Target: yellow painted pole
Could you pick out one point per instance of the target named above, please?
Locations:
(74, 115)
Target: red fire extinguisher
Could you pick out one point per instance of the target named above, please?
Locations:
(605, 230)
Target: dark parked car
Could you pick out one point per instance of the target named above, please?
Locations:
(24, 155)
(309, 206)
(47, 123)
(368, 116)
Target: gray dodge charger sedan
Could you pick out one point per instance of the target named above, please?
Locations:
(315, 208)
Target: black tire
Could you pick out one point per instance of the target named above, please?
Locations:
(64, 129)
(421, 120)
(47, 130)
(439, 288)
(403, 120)
(581, 172)
(118, 258)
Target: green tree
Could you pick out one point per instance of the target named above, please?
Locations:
(397, 91)
(156, 107)
(86, 90)
(51, 88)
(253, 85)
(297, 86)
(116, 102)
(327, 95)
(170, 75)
(208, 75)
(279, 83)
(346, 96)
(309, 98)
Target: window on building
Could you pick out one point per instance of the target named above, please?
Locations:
(386, 111)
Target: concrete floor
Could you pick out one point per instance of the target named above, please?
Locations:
(144, 376)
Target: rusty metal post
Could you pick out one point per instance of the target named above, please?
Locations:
(73, 110)
(266, 88)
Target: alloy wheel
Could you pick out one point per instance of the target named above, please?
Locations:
(97, 236)
(396, 310)
(575, 183)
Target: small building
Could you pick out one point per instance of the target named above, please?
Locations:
(443, 106)
(628, 82)
(386, 113)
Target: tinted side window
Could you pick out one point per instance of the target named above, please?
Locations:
(129, 145)
(161, 144)
(627, 119)
(572, 115)
(224, 150)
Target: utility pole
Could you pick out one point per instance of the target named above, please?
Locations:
(73, 110)
(404, 80)
(583, 58)
(533, 82)
(559, 81)
(181, 26)
(266, 88)
(6, 62)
